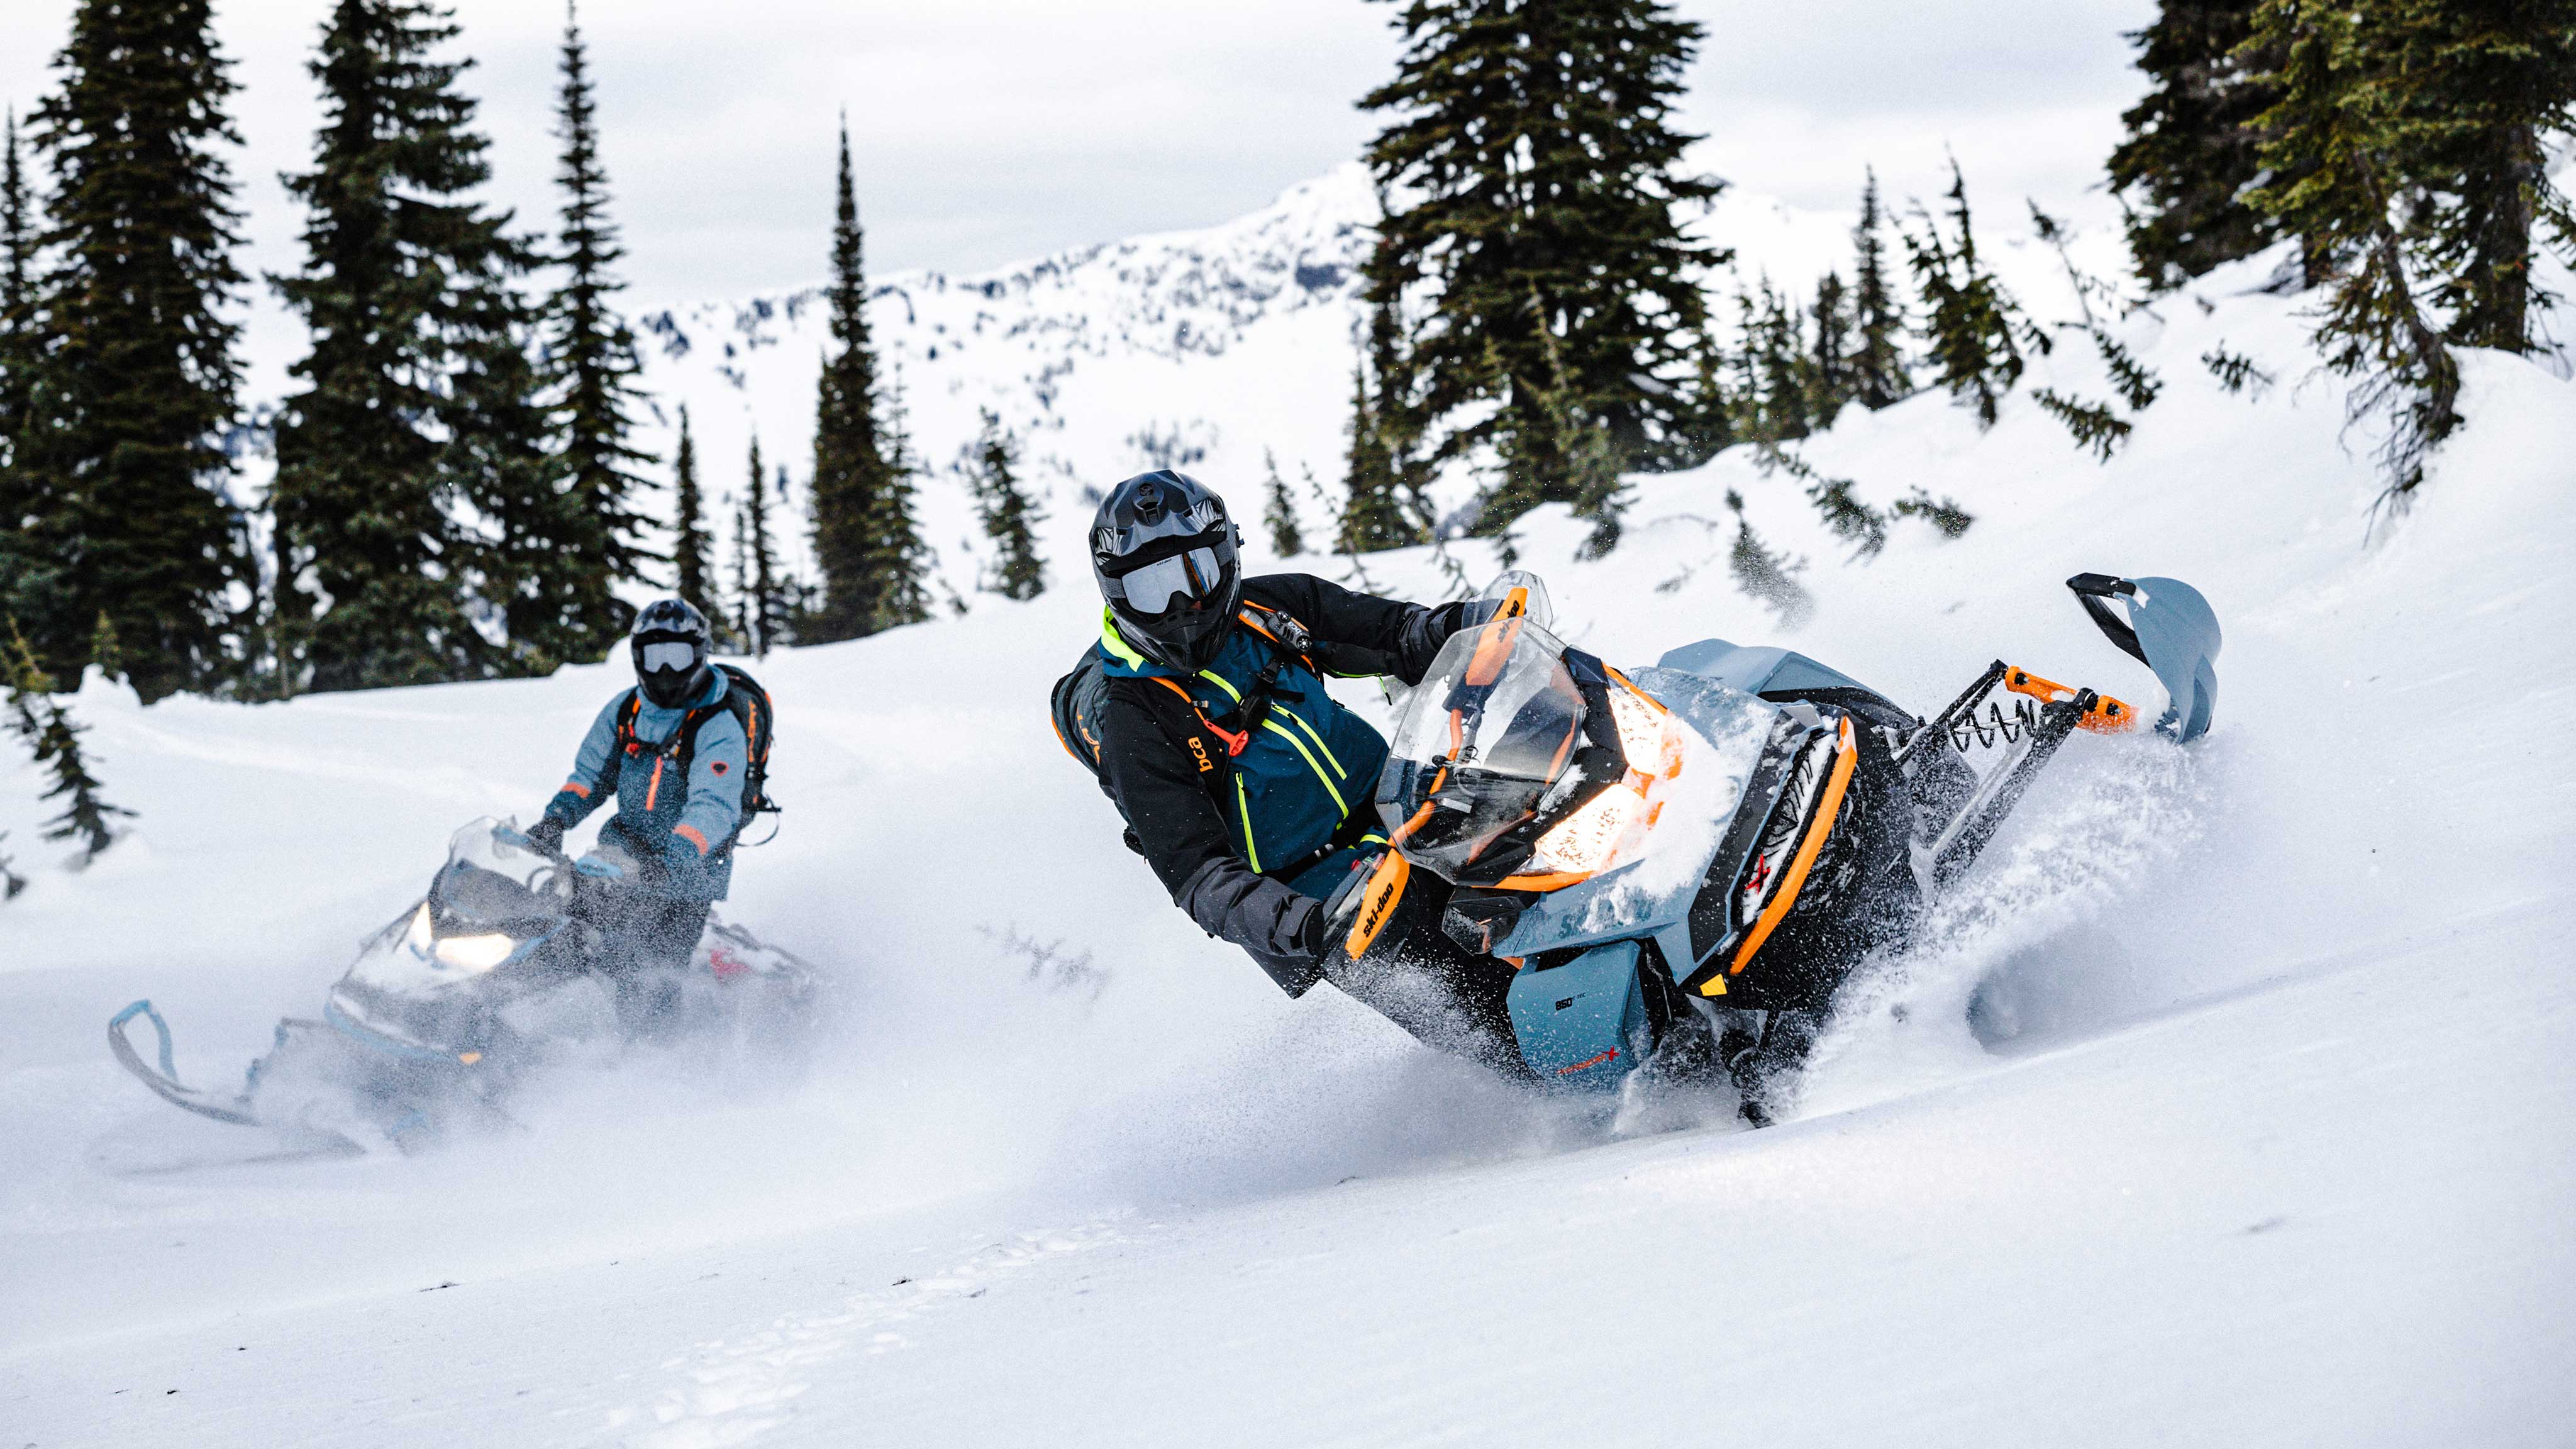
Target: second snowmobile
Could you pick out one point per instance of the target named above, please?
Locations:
(495, 973)
(1681, 864)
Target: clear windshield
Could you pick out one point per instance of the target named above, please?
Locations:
(490, 883)
(1482, 745)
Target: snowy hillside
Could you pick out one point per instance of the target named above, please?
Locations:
(1211, 350)
(2230, 1103)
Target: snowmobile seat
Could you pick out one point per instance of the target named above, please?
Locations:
(1762, 671)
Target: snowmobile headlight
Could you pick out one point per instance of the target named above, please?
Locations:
(476, 953)
(419, 938)
(1582, 843)
(1647, 733)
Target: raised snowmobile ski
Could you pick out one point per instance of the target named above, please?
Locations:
(493, 974)
(1681, 864)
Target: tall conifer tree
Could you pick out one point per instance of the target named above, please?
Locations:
(1537, 142)
(763, 611)
(592, 353)
(693, 568)
(2190, 154)
(898, 558)
(853, 468)
(399, 289)
(1976, 330)
(1831, 377)
(20, 345)
(1878, 316)
(139, 382)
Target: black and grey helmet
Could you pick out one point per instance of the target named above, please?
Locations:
(671, 643)
(1166, 557)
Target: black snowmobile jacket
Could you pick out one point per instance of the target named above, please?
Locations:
(1173, 804)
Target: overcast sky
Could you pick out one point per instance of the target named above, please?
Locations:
(991, 130)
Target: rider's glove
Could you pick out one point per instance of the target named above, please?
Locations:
(547, 835)
(600, 867)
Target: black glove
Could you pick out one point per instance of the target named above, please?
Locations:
(548, 833)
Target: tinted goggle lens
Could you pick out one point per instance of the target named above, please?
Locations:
(1157, 586)
(655, 658)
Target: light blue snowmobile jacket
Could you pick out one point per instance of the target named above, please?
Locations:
(682, 821)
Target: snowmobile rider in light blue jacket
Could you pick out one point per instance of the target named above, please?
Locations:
(675, 758)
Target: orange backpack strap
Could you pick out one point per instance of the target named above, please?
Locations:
(1234, 742)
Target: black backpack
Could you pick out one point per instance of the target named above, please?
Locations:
(749, 705)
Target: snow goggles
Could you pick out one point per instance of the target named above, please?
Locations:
(656, 658)
(1188, 570)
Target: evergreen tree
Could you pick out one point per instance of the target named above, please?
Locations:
(400, 291)
(763, 611)
(854, 470)
(2336, 144)
(1278, 510)
(30, 580)
(85, 814)
(738, 613)
(591, 351)
(527, 560)
(2478, 92)
(1536, 143)
(139, 381)
(693, 569)
(1831, 375)
(1976, 330)
(20, 346)
(1009, 518)
(898, 559)
(1878, 360)
(2190, 154)
(1373, 514)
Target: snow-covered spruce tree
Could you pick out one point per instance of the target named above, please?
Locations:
(1878, 317)
(1010, 520)
(763, 610)
(1766, 576)
(1535, 143)
(1975, 331)
(46, 725)
(85, 814)
(692, 563)
(853, 468)
(138, 380)
(592, 369)
(374, 585)
(2190, 150)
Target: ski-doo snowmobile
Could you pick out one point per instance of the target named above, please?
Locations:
(497, 972)
(1681, 864)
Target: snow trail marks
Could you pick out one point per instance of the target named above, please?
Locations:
(733, 1391)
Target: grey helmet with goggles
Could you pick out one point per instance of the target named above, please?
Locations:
(1167, 560)
(670, 644)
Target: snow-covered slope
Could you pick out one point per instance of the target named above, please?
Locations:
(2256, 1132)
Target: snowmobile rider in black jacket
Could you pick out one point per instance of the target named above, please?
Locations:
(1245, 786)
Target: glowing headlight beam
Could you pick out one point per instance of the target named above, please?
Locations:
(476, 953)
